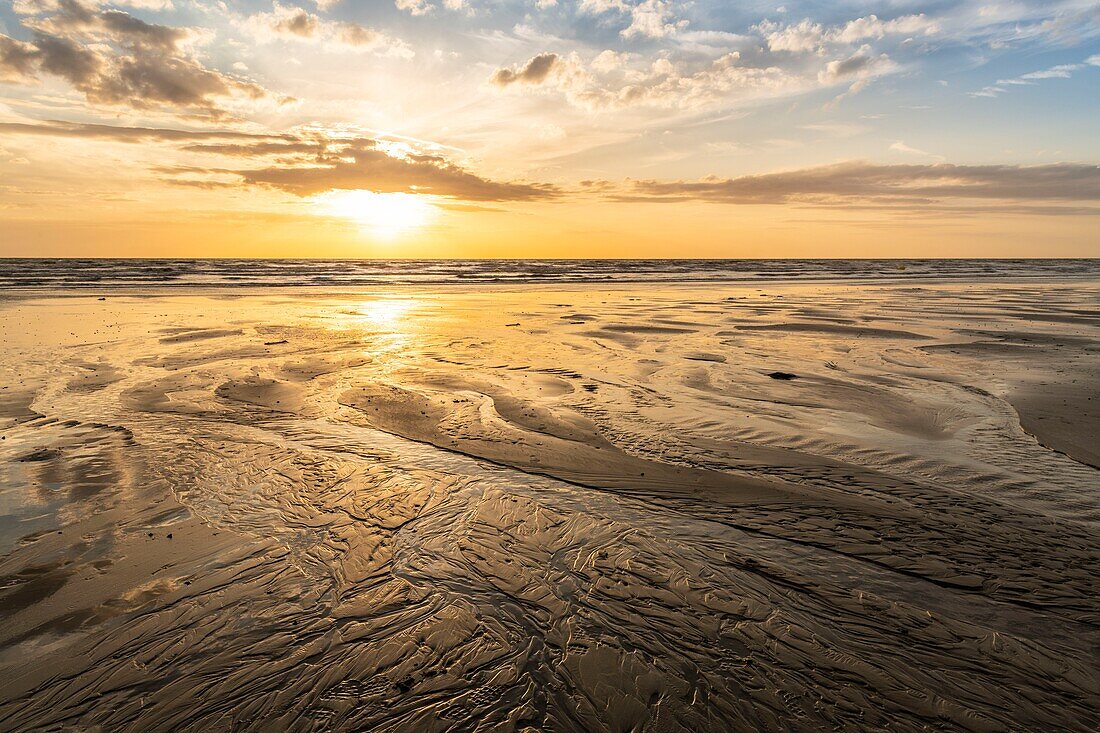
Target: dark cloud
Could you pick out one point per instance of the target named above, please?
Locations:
(849, 66)
(205, 184)
(298, 23)
(73, 18)
(308, 162)
(534, 71)
(138, 31)
(144, 81)
(58, 128)
(73, 12)
(17, 60)
(260, 149)
(115, 58)
(361, 165)
(356, 35)
(67, 59)
(912, 186)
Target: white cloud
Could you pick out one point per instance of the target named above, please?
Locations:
(808, 36)
(414, 7)
(871, 27)
(424, 7)
(799, 38)
(666, 84)
(1061, 71)
(648, 18)
(609, 60)
(899, 146)
(145, 4)
(652, 19)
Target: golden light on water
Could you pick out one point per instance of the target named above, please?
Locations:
(385, 215)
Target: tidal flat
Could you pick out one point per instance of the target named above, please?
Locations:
(625, 507)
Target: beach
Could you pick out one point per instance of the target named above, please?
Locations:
(600, 506)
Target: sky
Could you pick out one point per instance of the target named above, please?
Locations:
(549, 128)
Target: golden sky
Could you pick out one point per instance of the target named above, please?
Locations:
(549, 128)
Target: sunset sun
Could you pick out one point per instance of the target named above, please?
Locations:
(385, 215)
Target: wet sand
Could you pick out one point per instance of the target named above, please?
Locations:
(633, 508)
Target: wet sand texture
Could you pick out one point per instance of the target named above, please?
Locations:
(570, 508)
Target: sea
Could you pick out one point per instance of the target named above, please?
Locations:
(216, 273)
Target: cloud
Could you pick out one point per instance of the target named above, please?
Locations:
(846, 184)
(712, 69)
(609, 60)
(58, 128)
(74, 18)
(293, 21)
(899, 146)
(414, 7)
(648, 18)
(652, 19)
(1002, 24)
(708, 69)
(1060, 71)
(424, 7)
(306, 161)
(711, 43)
(362, 164)
(535, 71)
(606, 82)
(597, 7)
(17, 60)
(800, 37)
(850, 66)
(858, 69)
(114, 58)
(868, 27)
(260, 149)
(289, 22)
(312, 160)
(1067, 26)
(807, 36)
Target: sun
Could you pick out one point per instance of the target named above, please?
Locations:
(383, 214)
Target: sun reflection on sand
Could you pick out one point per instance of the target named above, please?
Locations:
(384, 313)
(386, 322)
